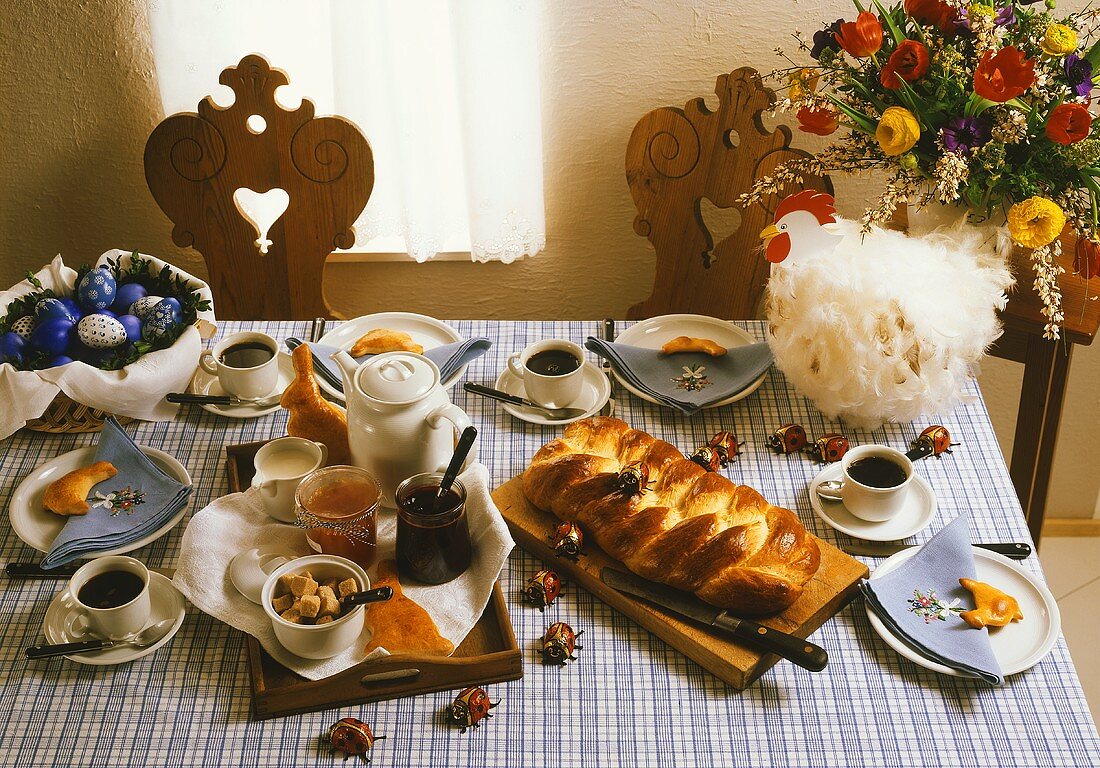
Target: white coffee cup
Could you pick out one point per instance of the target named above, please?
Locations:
(280, 467)
(120, 621)
(547, 390)
(250, 382)
(875, 505)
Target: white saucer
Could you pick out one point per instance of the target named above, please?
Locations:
(204, 383)
(38, 528)
(915, 515)
(425, 331)
(595, 391)
(1017, 646)
(60, 624)
(655, 332)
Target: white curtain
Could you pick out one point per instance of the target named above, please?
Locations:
(447, 93)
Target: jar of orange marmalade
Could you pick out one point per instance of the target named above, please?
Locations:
(337, 506)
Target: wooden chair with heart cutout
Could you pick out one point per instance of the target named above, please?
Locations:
(683, 163)
(264, 193)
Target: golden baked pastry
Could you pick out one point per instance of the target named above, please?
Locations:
(312, 416)
(380, 340)
(400, 624)
(68, 494)
(692, 344)
(993, 608)
(670, 520)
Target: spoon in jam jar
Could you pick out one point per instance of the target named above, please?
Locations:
(462, 450)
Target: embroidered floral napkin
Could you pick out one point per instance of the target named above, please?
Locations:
(137, 501)
(448, 358)
(686, 381)
(920, 602)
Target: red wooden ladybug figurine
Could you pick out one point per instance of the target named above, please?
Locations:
(789, 438)
(559, 642)
(470, 706)
(830, 447)
(717, 452)
(634, 478)
(543, 588)
(352, 737)
(935, 437)
(568, 540)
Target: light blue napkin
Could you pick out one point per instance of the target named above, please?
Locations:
(686, 381)
(448, 358)
(136, 502)
(921, 600)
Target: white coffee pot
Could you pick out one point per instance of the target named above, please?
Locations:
(400, 421)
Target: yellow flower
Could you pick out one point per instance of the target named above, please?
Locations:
(897, 131)
(1059, 40)
(1035, 222)
(803, 82)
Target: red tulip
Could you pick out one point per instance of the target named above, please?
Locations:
(1068, 123)
(1086, 258)
(817, 120)
(908, 62)
(862, 37)
(934, 12)
(1005, 76)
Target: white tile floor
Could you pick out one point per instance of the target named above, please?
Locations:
(1072, 568)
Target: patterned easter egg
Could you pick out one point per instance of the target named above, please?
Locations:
(160, 321)
(96, 290)
(101, 332)
(107, 312)
(53, 309)
(52, 336)
(143, 306)
(126, 295)
(132, 324)
(11, 347)
(24, 326)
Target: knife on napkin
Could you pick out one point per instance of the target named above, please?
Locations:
(1017, 550)
(795, 649)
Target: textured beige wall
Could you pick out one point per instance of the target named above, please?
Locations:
(80, 99)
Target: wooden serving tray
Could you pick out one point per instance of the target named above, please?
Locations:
(489, 654)
(831, 588)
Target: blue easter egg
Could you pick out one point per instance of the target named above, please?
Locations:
(143, 306)
(52, 336)
(96, 290)
(74, 309)
(107, 312)
(12, 346)
(53, 309)
(160, 322)
(126, 295)
(98, 331)
(24, 326)
(59, 360)
(132, 324)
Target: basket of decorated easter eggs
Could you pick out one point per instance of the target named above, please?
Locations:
(112, 338)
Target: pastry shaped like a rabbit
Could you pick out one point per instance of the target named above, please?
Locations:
(692, 344)
(993, 607)
(312, 416)
(68, 494)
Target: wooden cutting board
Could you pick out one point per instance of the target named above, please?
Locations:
(831, 588)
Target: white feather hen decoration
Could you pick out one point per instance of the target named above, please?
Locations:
(881, 327)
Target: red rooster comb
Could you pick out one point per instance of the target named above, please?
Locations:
(820, 204)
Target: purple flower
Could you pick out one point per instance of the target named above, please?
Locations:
(964, 134)
(1005, 17)
(825, 40)
(1079, 74)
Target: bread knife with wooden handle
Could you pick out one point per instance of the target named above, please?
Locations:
(801, 652)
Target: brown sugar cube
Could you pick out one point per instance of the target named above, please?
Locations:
(309, 605)
(282, 586)
(301, 586)
(292, 615)
(330, 606)
(282, 603)
(347, 586)
(324, 619)
(307, 574)
(331, 584)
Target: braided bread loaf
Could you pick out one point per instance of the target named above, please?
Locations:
(692, 529)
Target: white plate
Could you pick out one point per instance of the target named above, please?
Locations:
(1017, 646)
(38, 528)
(425, 331)
(595, 391)
(655, 332)
(914, 517)
(204, 383)
(60, 624)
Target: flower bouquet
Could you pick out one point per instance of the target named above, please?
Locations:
(977, 105)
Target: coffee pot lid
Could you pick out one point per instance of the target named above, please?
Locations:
(397, 377)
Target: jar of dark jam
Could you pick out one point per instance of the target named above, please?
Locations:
(433, 534)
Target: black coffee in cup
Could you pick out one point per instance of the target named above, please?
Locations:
(553, 362)
(877, 472)
(247, 354)
(111, 589)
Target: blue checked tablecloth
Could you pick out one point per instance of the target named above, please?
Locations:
(628, 700)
